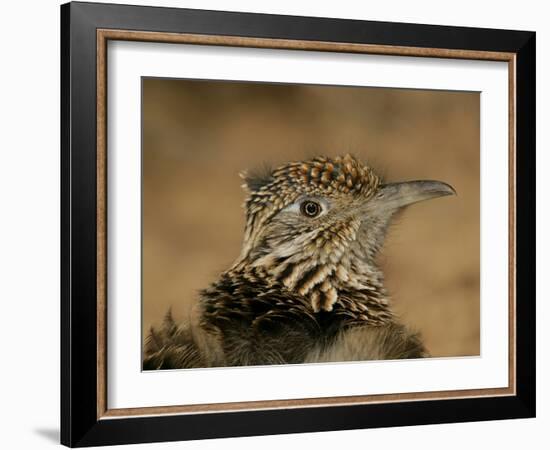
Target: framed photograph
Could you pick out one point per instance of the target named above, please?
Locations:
(277, 224)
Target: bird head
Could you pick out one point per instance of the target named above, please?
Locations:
(315, 227)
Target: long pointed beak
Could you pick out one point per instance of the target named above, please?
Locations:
(393, 196)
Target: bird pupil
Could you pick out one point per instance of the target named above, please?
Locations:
(311, 208)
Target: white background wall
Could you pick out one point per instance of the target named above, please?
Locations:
(29, 223)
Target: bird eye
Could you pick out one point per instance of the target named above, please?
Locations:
(310, 209)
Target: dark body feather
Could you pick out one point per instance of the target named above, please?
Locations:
(248, 323)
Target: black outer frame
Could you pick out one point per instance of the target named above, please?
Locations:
(79, 423)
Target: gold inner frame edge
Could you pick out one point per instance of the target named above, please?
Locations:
(103, 36)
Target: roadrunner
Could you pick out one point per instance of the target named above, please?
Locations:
(306, 287)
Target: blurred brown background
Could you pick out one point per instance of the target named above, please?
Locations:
(197, 136)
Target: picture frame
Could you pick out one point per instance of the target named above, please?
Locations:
(86, 418)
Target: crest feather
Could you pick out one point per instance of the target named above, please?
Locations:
(254, 180)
